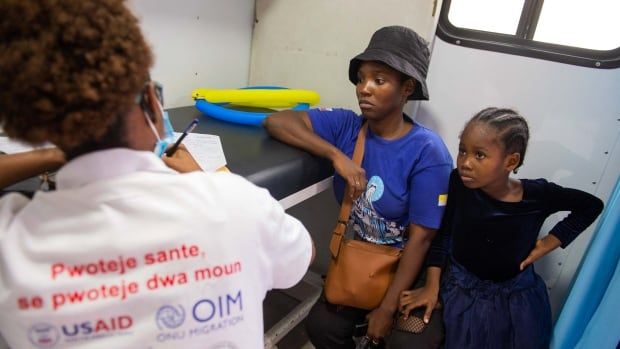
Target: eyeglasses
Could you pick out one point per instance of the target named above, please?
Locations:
(159, 93)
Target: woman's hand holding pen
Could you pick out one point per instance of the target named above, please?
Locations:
(352, 173)
(181, 161)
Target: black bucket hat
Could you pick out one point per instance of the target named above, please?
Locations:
(400, 48)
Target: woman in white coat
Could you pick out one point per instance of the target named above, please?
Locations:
(127, 252)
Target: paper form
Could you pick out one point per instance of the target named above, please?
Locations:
(206, 149)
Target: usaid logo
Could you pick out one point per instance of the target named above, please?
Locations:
(43, 335)
(98, 327)
(170, 317)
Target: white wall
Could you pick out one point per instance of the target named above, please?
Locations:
(197, 43)
(574, 117)
(308, 44)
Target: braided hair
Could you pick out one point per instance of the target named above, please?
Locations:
(512, 129)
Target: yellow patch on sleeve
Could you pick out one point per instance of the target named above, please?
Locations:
(442, 200)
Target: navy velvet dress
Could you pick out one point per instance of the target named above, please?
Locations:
(488, 302)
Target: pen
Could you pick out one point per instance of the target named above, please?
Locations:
(176, 144)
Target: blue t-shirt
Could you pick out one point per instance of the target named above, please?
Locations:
(407, 177)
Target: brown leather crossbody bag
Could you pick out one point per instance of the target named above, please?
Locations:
(359, 272)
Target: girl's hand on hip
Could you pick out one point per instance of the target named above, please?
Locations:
(353, 174)
(543, 246)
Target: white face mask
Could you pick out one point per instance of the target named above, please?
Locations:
(162, 143)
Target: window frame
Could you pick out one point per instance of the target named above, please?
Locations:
(522, 43)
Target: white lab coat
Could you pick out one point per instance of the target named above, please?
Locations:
(130, 254)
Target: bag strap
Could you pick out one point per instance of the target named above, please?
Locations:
(345, 208)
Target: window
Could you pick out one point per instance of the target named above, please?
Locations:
(570, 31)
(591, 24)
(505, 18)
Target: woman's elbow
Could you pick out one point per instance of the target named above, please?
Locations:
(284, 123)
(277, 121)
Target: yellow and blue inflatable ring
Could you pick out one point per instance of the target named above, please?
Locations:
(211, 102)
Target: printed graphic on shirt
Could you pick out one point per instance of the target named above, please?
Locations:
(126, 277)
(205, 316)
(170, 317)
(442, 200)
(45, 335)
(367, 224)
(120, 288)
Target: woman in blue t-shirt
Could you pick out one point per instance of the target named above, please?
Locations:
(399, 192)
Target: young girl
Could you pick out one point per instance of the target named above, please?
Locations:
(492, 296)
